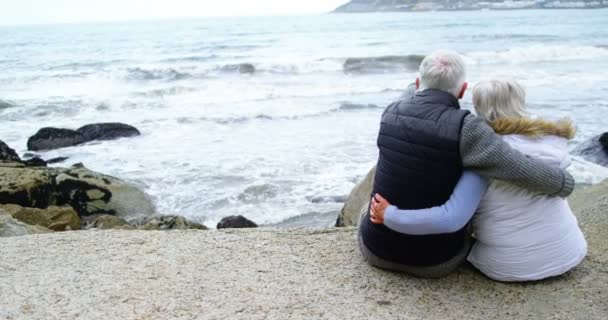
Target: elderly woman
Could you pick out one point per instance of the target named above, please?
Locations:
(520, 236)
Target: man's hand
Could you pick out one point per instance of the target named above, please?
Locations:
(378, 206)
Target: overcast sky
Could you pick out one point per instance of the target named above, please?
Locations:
(60, 11)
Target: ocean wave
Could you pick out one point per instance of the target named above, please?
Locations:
(537, 53)
(245, 68)
(190, 59)
(6, 104)
(355, 106)
(259, 193)
(515, 36)
(170, 74)
(382, 64)
(344, 107)
(82, 65)
(170, 91)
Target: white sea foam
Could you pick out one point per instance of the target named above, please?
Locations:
(299, 123)
(537, 53)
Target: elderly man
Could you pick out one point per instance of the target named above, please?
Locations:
(425, 141)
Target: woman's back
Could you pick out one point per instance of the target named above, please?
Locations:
(526, 236)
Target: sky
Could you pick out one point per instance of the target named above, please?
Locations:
(13, 12)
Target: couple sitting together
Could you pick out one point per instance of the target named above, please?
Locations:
(451, 186)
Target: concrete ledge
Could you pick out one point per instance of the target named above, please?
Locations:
(273, 273)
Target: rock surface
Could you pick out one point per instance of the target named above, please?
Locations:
(107, 131)
(54, 218)
(11, 227)
(86, 191)
(167, 223)
(357, 201)
(54, 138)
(106, 222)
(276, 274)
(594, 150)
(8, 154)
(236, 222)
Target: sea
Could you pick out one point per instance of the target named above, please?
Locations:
(285, 144)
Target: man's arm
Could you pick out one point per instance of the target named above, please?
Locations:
(484, 152)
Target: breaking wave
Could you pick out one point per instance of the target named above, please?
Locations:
(344, 107)
(382, 64)
(140, 74)
(537, 53)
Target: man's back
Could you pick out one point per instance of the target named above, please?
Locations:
(418, 166)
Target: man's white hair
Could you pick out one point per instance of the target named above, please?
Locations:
(494, 99)
(442, 70)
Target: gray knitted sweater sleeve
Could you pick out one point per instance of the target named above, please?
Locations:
(484, 151)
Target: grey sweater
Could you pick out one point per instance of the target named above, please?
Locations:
(484, 151)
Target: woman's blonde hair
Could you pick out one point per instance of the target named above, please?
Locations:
(495, 99)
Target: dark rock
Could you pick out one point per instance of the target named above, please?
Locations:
(8, 154)
(54, 138)
(236, 222)
(107, 131)
(57, 160)
(34, 162)
(29, 155)
(604, 141)
(594, 150)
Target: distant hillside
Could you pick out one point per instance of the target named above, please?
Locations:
(445, 5)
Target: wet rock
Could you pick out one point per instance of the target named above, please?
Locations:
(107, 131)
(594, 150)
(27, 187)
(86, 191)
(29, 155)
(357, 201)
(236, 222)
(8, 154)
(11, 227)
(105, 222)
(54, 218)
(54, 138)
(604, 141)
(34, 162)
(167, 223)
(57, 160)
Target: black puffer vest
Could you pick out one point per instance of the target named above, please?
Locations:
(418, 167)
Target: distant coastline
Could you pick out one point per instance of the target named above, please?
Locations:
(363, 6)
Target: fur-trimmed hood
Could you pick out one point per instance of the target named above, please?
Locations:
(534, 127)
(542, 139)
